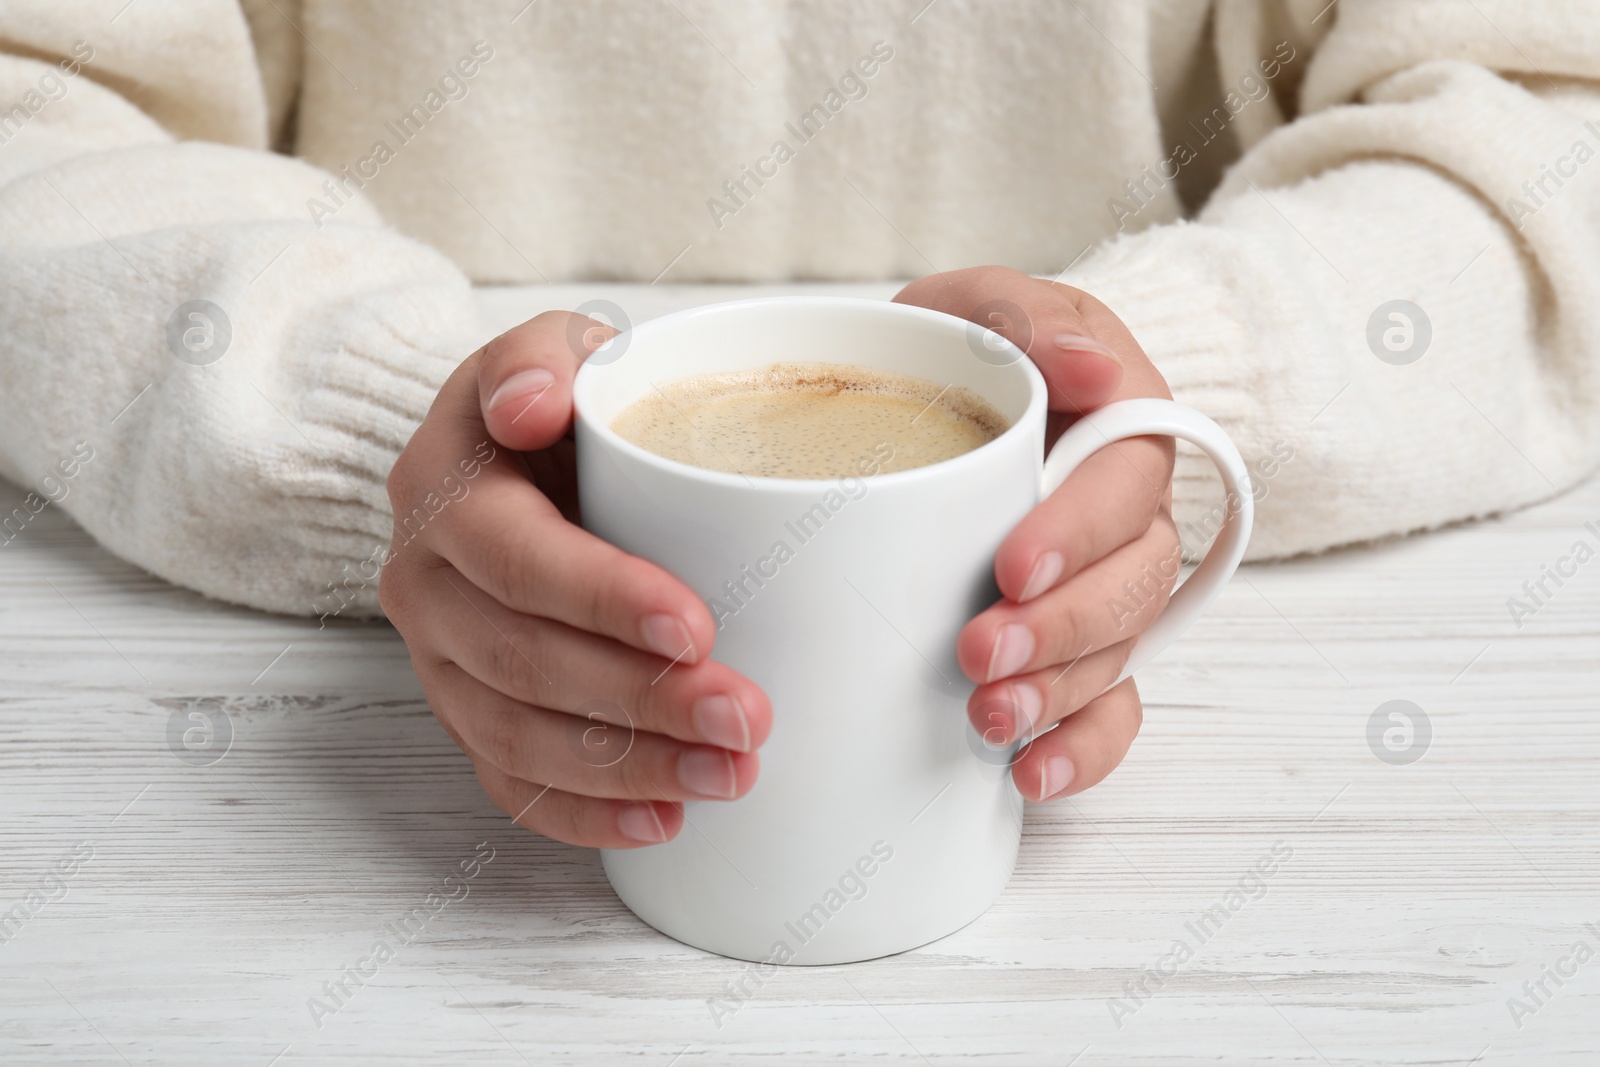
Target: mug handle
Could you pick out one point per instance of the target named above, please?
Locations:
(1152, 417)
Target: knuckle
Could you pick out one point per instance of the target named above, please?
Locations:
(636, 777)
(1079, 549)
(534, 810)
(503, 663)
(444, 720)
(399, 482)
(1145, 510)
(1124, 654)
(1067, 628)
(497, 786)
(1084, 302)
(1169, 559)
(498, 350)
(505, 741)
(414, 507)
(392, 596)
(593, 597)
(566, 822)
(606, 592)
(507, 569)
(653, 704)
(398, 587)
(1168, 449)
(1170, 540)
(513, 665)
(989, 274)
(1163, 595)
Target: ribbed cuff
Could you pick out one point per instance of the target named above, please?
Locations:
(360, 407)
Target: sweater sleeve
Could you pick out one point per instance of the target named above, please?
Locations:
(212, 383)
(1392, 301)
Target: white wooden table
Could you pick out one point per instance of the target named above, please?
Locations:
(209, 904)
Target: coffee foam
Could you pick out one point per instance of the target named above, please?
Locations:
(809, 420)
(830, 378)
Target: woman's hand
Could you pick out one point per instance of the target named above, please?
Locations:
(531, 635)
(1089, 568)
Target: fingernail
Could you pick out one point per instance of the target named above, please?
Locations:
(720, 720)
(1056, 777)
(639, 822)
(1044, 574)
(1013, 647)
(527, 385)
(1077, 342)
(666, 635)
(1031, 705)
(708, 772)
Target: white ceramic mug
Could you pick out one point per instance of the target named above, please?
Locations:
(880, 820)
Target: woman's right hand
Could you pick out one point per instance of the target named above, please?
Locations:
(575, 676)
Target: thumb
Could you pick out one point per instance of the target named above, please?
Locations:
(1045, 320)
(1081, 365)
(525, 377)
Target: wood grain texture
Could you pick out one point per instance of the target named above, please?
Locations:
(1414, 901)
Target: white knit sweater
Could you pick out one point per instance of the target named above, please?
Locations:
(1438, 152)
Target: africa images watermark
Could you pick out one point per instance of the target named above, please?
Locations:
(452, 86)
(408, 528)
(339, 991)
(1249, 889)
(1152, 582)
(851, 87)
(1558, 171)
(51, 886)
(50, 88)
(1538, 992)
(741, 589)
(1399, 732)
(53, 489)
(851, 886)
(1203, 531)
(1536, 592)
(1141, 192)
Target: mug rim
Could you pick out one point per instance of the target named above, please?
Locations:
(581, 386)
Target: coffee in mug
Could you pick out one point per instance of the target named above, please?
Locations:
(809, 420)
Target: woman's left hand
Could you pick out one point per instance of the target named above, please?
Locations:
(1087, 570)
